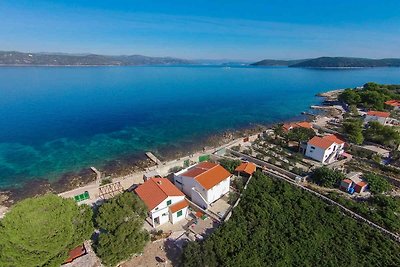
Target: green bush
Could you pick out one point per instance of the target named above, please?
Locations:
(120, 221)
(327, 177)
(41, 231)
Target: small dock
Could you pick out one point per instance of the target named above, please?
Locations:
(153, 158)
(97, 172)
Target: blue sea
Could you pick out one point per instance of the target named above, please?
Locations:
(59, 119)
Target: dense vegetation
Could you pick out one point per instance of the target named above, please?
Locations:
(347, 62)
(327, 177)
(381, 134)
(377, 184)
(300, 134)
(18, 58)
(381, 209)
(120, 221)
(353, 127)
(371, 96)
(277, 224)
(40, 231)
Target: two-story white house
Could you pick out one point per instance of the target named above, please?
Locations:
(325, 149)
(379, 116)
(203, 183)
(164, 201)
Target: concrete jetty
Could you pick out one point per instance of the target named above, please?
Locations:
(153, 158)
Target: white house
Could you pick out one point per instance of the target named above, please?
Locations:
(164, 201)
(379, 116)
(203, 183)
(325, 149)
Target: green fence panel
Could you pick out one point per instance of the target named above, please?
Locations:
(204, 158)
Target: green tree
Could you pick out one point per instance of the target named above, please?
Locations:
(377, 184)
(353, 128)
(350, 96)
(230, 164)
(381, 134)
(327, 177)
(373, 100)
(354, 111)
(41, 231)
(278, 130)
(120, 221)
(300, 134)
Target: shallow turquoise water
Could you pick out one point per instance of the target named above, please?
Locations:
(59, 119)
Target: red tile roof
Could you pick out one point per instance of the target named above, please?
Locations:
(393, 103)
(76, 253)
(320, 142)
(246, 167)
(304, 124)
(178, 206)
(326, 141)
(156, 190)
(381, 114)
(335, 138)
(207, 174)
(362, 184)
(292, 125)
(347, 181)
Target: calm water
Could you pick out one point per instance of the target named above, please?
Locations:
(54, 120)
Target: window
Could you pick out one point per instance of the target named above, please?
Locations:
(179, 213)
(178, 182)
(169, 202)
(312, 147)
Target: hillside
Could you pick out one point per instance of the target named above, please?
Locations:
(277, 224)
(59, 59)
(331, 62)
(275, 62)
(347, 62)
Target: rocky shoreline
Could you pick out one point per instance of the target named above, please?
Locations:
(120, 167)
(133, 163)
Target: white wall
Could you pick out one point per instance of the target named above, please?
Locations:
(369, 118)
(320, 154)
(162, 210)
(174, 216)
(218, 190)
(200, 195)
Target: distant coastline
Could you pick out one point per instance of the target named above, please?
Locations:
(333, 62)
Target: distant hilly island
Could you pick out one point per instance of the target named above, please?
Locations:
(61, 59)
(332, 62)
(14, 58)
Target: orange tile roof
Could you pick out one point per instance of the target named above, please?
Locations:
(207, 174)
(287, 126)
(304, 124)
(326, 141)
(247, 167)
(362, 184)
(178, 206)
(156, 190)
(320, 142)
(347, 181)
(393, 103)
(76, 253)
(335, 138)
(378, 114)
(292, 125)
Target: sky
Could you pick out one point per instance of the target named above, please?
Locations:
(198, 29)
